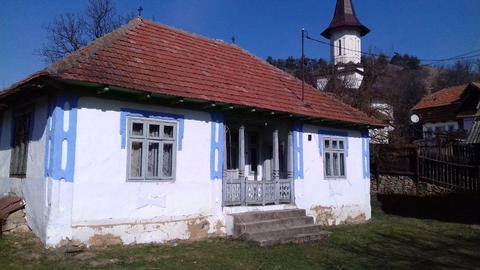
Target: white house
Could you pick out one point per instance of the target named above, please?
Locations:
(150, 134)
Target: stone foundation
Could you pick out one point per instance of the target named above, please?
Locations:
(15, 222)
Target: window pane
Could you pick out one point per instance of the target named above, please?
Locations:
(18, 159)
(334, 144)
(137, 129)
(342, 164)
(328, 172)
(153, 151)
(327, 144)
(340, 144)
(167, 159)
(136, 159)
(335, 164)
(168, 131)
(154, 131)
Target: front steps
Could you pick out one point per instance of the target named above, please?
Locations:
(267, 228)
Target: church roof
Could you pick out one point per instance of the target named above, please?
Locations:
(149, 57)
(345, 18)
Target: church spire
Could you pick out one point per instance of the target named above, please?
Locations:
(345, 18)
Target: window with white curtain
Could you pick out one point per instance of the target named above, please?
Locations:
(151, 149)
(334, 157)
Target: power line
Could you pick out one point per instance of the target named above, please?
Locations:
(458, 57)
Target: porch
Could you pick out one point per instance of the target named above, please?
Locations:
(258, 164)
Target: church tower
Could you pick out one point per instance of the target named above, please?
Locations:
(345, 32)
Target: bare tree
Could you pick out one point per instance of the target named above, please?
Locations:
(101, 18)
(69, 32)
(65, 34)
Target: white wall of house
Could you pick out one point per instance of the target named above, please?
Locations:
(440, 127)
(105, 203)
(98, 203)
(32, 188)
(333, 201)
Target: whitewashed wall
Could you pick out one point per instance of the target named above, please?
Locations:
(99, 204)
(105, 203)
(32, 188)
(333, 201)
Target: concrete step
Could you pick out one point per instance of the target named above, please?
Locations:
(267, 215)
(284, 232)
(297, 238)
(271, 225)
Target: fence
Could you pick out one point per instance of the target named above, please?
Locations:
(455, 167)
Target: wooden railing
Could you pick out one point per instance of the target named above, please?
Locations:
(249, 192)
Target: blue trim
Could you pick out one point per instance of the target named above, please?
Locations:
(324, 132)
(366, 154)
(298, 151)
(149, 114)
(56, 135)
(216, 146)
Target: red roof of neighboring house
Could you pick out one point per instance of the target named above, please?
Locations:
(443, 97)
(144, 55)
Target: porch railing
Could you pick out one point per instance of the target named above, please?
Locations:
(250, 192)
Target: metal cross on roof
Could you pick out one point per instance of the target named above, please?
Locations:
(140, 9)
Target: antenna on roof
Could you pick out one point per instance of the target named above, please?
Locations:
(233, 39)
(140, 9)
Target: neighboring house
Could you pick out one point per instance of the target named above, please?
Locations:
(448, 110)
(150, 134)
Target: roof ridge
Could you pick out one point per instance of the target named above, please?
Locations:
(195, 35)
(88, 51)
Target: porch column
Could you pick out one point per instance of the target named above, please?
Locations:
(275, 154)
(290, 156)
(224, 166)
(241, 152)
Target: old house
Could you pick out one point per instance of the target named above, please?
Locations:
(150, 134)
(450, 110)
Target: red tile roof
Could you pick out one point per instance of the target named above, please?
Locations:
(443, 97)
(144, 55)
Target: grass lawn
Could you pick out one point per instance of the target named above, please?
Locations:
(387, 242)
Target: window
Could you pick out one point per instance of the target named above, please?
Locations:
(152, 149)
(334, 158)
(21, 135)
(339, 47)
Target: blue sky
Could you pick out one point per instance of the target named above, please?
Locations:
(429, 29)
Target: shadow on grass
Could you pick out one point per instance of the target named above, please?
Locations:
(459, 208)
(432, 250)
